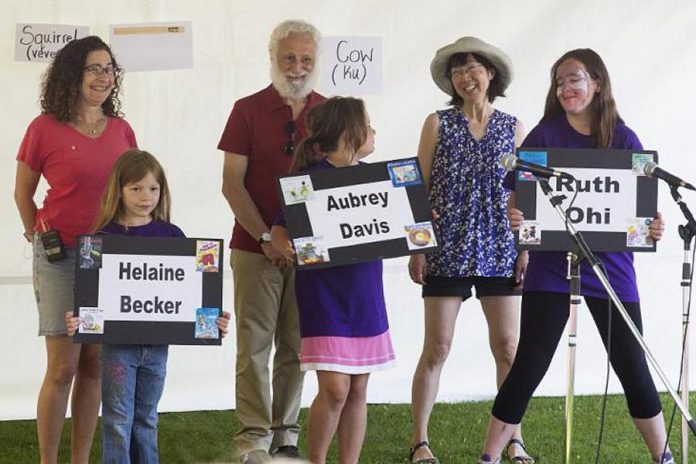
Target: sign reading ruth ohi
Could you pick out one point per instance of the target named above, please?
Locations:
(609, 200)
(41, 42)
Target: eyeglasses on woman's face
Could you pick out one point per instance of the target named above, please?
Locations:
(473, 67)
(98, 70)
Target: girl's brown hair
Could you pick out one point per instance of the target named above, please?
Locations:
(605, 116)
(336, 119)
(132, 166)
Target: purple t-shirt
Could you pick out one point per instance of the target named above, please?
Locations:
(547, 270)
(151, 229)
(342, 301)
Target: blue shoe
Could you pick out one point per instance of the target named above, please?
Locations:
(667, 458)
(487, 459)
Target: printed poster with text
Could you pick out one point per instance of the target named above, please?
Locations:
(610, 201)
(148, 290)
(358, 213)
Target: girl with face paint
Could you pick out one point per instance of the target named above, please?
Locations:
(580, 112)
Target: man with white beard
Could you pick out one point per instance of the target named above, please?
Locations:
(259, 140)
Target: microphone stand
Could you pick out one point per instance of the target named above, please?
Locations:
(594, 263)
(686, 232)
(574, 277)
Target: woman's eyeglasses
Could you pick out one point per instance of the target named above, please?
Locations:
(98, 70)
(290, 129)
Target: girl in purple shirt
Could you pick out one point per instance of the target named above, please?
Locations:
(136, 202)
(343, 318)
(580, 113)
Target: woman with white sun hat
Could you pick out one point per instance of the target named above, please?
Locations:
(458, 152)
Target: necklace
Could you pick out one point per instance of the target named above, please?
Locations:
(90, 129)
(95, 126)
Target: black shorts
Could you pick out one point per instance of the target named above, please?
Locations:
(461, 286)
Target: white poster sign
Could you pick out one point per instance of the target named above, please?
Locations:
(606, 200)
(609, 200)
(357, 213)
(41, 42)
(153, 46)
(149, 288)
(351, 65)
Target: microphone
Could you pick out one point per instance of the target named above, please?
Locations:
(651, 169)
(512, 163)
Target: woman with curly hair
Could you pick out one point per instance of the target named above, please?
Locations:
(73, 144)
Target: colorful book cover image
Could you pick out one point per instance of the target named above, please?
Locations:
(296, 189)
(530, 233)
(404, 173)
(207, 256)
(420, 235)
(90, 252)
(311, 250)
(91, 320)
(206, 323)
(638, 233)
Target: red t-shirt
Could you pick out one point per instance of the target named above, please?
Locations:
(76, 168)
(256, 129)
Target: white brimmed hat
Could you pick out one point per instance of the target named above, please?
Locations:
(496, 56)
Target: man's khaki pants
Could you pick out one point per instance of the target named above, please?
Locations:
(266, 313)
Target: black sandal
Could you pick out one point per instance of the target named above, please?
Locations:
(418, 446)
(518, 458)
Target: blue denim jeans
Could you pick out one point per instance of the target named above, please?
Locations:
(132, 384)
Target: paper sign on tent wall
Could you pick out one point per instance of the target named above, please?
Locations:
(41, 42)
(351, 65)
(152, 46)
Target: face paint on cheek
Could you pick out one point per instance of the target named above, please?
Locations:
(575, 85)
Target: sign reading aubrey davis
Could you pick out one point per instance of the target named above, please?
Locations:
(143, 290)
(613, 209)
(357, 213)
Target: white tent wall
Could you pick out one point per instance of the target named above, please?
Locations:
(179, 115)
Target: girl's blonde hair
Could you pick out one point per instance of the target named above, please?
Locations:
(132, 166)
(327, 123)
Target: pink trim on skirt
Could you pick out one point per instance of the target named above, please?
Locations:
(351, 355)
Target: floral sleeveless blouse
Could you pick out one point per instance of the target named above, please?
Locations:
(466, 190)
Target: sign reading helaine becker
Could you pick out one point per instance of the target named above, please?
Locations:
(358, 213)
(148, 290)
